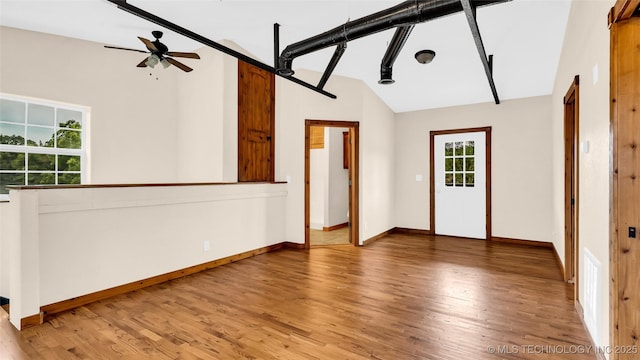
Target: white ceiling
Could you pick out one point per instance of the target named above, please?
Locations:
(525, 37)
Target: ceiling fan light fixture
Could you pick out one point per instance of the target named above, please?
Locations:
(425, 56)
(152, 61)
(165, 64)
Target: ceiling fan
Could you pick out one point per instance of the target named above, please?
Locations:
(160, 54)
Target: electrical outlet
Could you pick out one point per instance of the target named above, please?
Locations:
(206, 245)
(632, 232)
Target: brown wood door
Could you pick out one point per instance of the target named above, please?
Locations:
(625, 187)
(571, 185)
(256, 123)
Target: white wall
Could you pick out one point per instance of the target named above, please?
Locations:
(355, 102)
(338, 186)
(377, 166)
(329, 182)
(200, 120)
(131, 130)
(586, 46)
(521, 156)
(71, 242)
(133, 115)
(318, 178)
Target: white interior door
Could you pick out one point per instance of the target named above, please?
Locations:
(460, 184)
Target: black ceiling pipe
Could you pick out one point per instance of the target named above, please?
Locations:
(397, 43)
(337, 54)
(403, 14)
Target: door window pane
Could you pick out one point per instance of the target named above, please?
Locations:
(459, 148)
(448, 179)
(448, 149)
(469, 148)
(459, 179)
(448, 164)
(469, 164)
(459, 164)
(469, 180)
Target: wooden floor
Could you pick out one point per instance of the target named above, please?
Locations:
(403, 297)
(333, 237)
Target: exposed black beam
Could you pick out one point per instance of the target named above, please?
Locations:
(276, 44)
(470, 12)
(123, 5)
(332, 64)
(406, 13)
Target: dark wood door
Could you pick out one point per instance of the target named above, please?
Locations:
(571, 192)
(625, 188)
(256, 123)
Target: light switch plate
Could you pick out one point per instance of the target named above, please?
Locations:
(418, 178)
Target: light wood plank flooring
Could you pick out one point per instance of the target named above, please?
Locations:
(334, 237)
(403, 297)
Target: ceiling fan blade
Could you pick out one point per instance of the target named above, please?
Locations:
(148, 44)
(143, 63)
(121, 48)
(178, 64)
(184, 54)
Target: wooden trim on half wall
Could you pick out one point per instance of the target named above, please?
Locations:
(432, 188)
(354, 174)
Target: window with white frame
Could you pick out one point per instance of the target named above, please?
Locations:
(41, 143)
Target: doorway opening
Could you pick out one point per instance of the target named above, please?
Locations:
(460, 182)
(571, 163)
(342, 214)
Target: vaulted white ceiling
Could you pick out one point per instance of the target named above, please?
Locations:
(525, 37)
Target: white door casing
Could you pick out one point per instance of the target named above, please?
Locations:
(460, 184)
